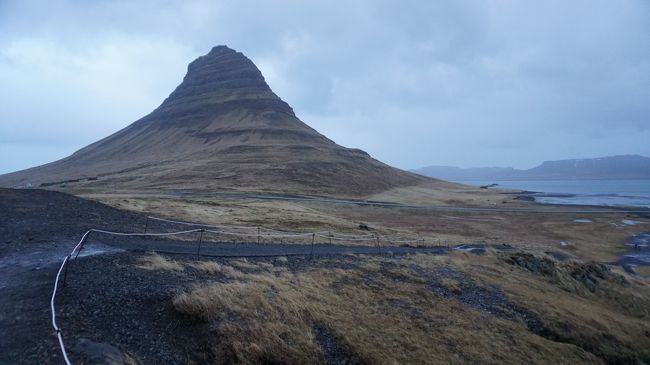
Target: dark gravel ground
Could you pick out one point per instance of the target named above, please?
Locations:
(107, 299)
(37, 228)
(33, 216)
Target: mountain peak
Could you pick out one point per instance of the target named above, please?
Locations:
(223, 75)
(222, 127)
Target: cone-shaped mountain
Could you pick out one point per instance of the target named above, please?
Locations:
(221, 128)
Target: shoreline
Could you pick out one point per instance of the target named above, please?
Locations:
(591, 200)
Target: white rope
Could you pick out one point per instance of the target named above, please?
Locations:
(261, 235)
(402, 241)
(56, 286)
(79, 246)
(54, 325)
(76, 249)
(347, 239)
(147, 234)
(233, 233)
(280, 233)
(343, 235)
(200, 224)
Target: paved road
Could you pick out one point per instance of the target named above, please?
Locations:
(541, 209)
(254, 249)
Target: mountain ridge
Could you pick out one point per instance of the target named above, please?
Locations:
(630, 167)
(222, 127)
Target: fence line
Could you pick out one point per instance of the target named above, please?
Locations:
(322, 234)
(56, 327)
(198, 224)
(63, 269)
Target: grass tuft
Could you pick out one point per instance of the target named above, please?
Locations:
(153, 261)
(208, 267)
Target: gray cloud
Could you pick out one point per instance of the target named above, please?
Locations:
(414, 83)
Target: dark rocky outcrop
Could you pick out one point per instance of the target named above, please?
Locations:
(567, 274)
(534, 264)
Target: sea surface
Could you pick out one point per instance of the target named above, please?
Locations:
(635, 193)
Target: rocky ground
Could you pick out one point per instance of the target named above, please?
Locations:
(113, 307)
(34, 216)
(38, 229)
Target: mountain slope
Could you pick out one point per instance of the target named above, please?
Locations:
(603, 168)
(221, 128)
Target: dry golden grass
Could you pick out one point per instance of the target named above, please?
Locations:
(153, 261)
(383, 311)
(243, 264)
(259, 322)
(601, 240)
(208, 267)
(611, 321)
(643, 271)
(211, 267)
(386, 311)
(448, 193)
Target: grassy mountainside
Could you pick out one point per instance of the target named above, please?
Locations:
(222, 128)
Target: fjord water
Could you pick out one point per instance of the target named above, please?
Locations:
(581, 192)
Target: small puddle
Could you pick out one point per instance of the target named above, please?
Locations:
(98, 249)
(479, 248)
(630, 222)
(46, 255)
(15, 265)
(476, 248)
(639, 254)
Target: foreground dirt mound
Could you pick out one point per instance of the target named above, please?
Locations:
(36, 216)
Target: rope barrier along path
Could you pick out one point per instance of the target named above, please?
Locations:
(277, 234)
(64, 266)
(57, 329)
(199, 224)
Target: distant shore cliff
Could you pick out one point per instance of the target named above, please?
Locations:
(603, 168)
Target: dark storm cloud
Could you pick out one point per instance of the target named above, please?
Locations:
(466, 83)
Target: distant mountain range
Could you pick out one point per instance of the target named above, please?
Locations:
(603, 168)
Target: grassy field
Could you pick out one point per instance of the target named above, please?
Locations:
(602, 239)
(548, 300)
(458, 308)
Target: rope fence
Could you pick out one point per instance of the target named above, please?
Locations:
(263, 232)
(257, 232)
(64, 269)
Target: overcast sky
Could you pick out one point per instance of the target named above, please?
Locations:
(414, 83)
